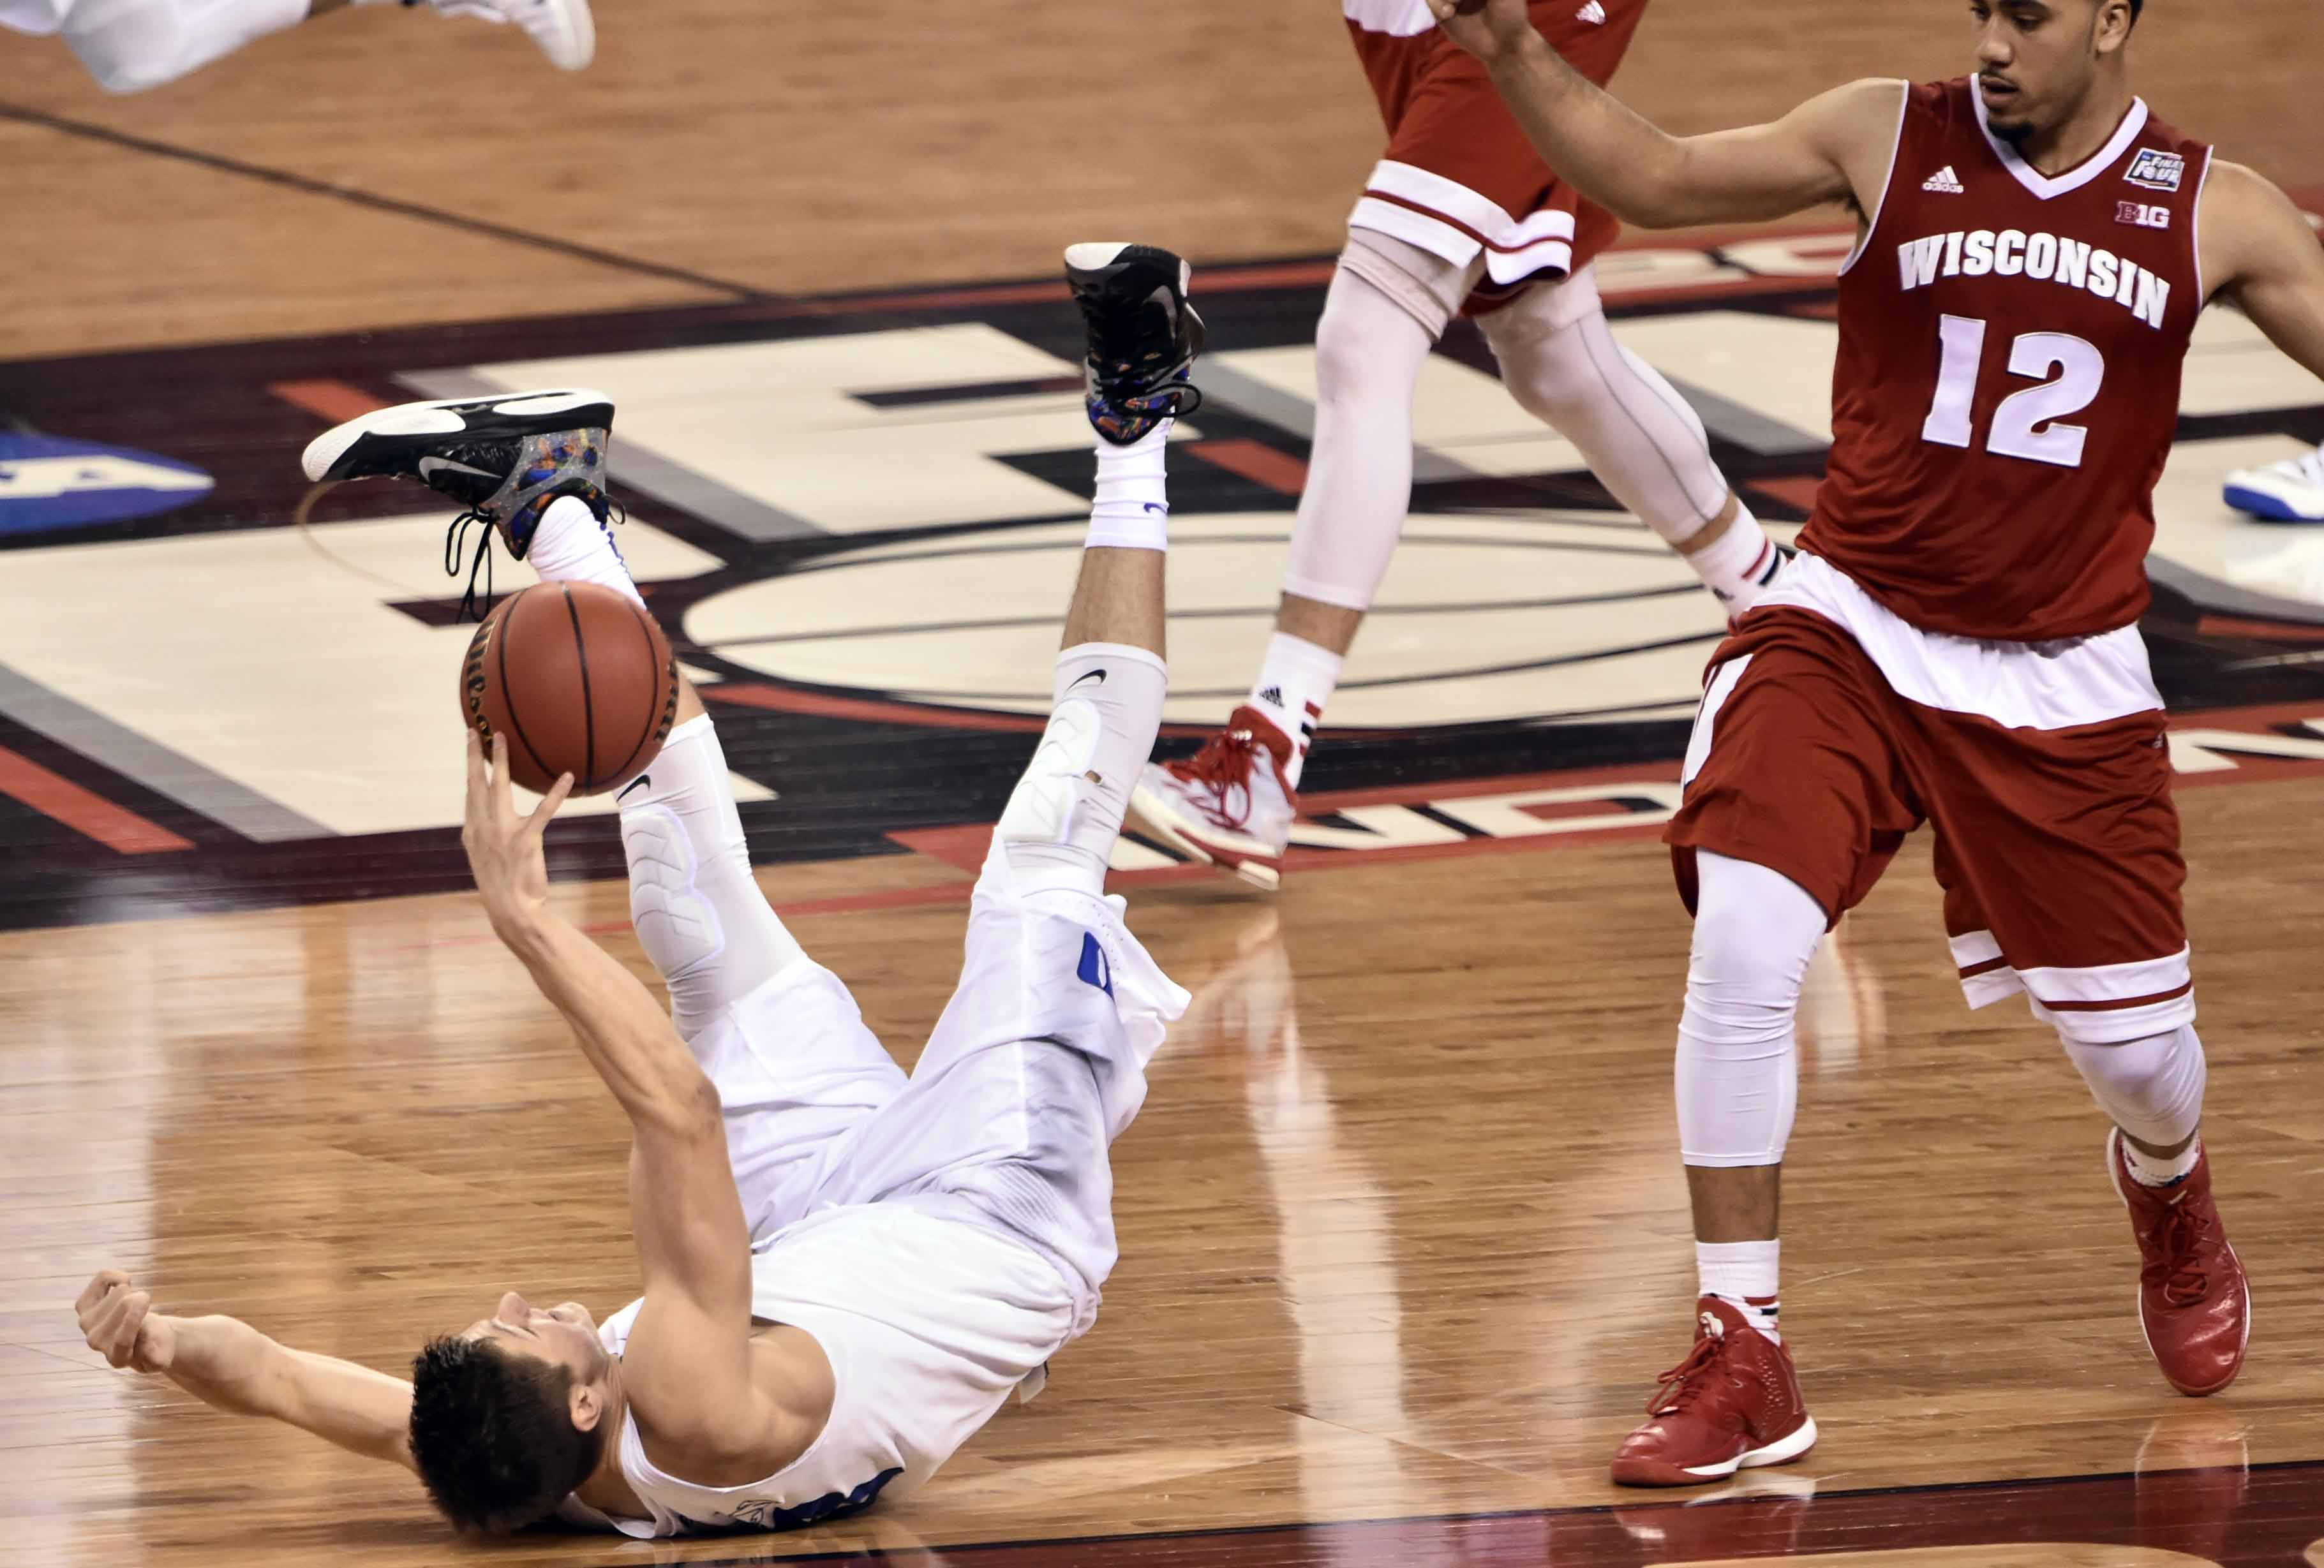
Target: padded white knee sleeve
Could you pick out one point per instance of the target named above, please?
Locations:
(1644, 442)
(2151, 1088)
(1739, 1073)
(130, 45)
(698, 912)
(1065, 813)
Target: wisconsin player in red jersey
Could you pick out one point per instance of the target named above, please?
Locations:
(1459, 216)
(1958, 642)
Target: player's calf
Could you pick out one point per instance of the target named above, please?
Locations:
(1066, 811)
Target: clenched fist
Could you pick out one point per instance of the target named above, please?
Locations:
(119, 1323)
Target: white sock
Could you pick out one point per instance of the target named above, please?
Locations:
(1740, 564)
(1133, 508)
(571, 545)
(1295, 682)
(1743, 1275)
(2159, 1171)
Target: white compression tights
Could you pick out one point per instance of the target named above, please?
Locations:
(1643, 441)
(130, 45)
(2151, 1088)
(1738, 1078)
(1369, 351)
(1739, 1065)
(1387, 305)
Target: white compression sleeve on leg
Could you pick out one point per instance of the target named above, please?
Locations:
(1065, 813)
(2151, 1088)
(698, 910)
(1644, 442)
(571, 545)
(130, 45)
(1369, 351)
(1738, 1066)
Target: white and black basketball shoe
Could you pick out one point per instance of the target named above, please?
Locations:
(564, 29)
(1143, 336)
(503, 459)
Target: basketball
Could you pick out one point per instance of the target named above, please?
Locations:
(578, 678)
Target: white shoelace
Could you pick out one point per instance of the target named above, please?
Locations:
(2308, 468)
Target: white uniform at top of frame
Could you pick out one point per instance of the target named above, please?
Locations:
(34, 16)
(940, 1236)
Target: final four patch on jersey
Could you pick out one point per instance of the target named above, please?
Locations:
(2157, 170)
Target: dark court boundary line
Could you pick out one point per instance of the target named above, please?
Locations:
(936, 1553)
(739, 292)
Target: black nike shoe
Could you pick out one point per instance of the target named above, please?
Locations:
(1143, 336)
(503, 459)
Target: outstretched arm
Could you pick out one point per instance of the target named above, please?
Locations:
(687, 1364)
(2259, 253)
(1832, 148)
(226, 1362)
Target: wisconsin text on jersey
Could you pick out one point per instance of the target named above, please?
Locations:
(2045, 259)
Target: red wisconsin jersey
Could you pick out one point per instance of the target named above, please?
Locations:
(2007, 386)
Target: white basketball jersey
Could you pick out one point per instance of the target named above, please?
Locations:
(34, 16)
(930, 1318)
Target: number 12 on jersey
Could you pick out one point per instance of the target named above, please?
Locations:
(2068, 369)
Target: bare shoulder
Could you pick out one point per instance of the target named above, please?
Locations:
(2249, 226)
(1861, 111)
(1856, 125)
(742, 1432)
(2234, 192)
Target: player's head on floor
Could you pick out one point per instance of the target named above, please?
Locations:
(2038, 60)
(510, 1415)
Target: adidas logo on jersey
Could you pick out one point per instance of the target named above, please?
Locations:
(1593, 14)
(1944, 182)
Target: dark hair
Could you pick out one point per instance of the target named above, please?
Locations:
(495, 1434)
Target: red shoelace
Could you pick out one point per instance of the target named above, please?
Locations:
(1225, 762)
(1678, 1387)
(2185, 1280)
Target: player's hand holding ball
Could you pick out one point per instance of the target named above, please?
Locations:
(119, 1323)
(1490, 30)
(504, 848)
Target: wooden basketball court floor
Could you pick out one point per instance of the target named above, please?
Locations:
(1403, 1236)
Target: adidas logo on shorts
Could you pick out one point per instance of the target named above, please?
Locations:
(1594, 13)
(1944, 182)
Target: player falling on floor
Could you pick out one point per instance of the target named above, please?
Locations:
(130, 45)
(846, 1272)
(1460, 216)
(1958, 641)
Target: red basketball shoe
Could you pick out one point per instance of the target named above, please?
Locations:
(1229, 804)
(2194, 1302)
(1733, 1404)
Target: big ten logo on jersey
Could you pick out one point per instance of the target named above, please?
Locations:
(2142, 214)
